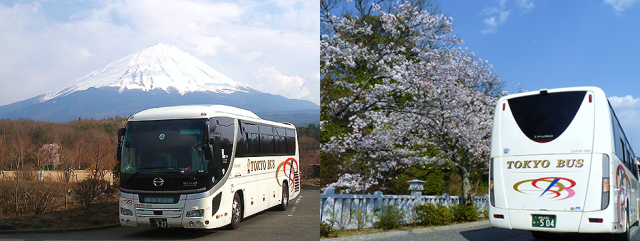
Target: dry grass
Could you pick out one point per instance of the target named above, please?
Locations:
(33, 195)
(101, 214)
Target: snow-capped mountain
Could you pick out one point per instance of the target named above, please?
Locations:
(160, 75)
(160, 66)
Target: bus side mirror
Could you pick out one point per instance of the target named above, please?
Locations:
(207, 147)
(121, 133)
(208, 151)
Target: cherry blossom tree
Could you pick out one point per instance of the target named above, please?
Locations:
(395, 93)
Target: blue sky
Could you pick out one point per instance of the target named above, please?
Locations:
(271, 45)
(553, 44)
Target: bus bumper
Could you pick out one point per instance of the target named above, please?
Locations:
(132, 213)
(566, 221)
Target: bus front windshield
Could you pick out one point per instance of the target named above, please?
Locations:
(173, 146)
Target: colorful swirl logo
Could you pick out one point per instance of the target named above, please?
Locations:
(288, 173)
(622, 181)
(559, 186)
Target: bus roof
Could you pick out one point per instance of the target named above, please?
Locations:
(192, 112)
(535, 92)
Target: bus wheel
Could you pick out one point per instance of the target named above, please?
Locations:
(626, 236)
(236, 212)
(285, 197)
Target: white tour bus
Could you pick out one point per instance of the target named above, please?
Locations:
(561, 163)
(204, 166)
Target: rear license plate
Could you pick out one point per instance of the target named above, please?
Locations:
(158, 222)
(543, 221)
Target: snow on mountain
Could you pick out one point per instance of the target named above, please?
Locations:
(158, 67)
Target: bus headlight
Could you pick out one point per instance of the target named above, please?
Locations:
(195, 213)
(126, 212)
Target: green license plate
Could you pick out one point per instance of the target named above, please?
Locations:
(543, 221)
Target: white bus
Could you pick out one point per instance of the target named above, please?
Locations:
(204, 166)
(561, 163)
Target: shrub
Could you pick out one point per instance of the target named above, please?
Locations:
(43, 196)
(464, 213)
(6, 197)
(432, 214)
(341, 220)
(360, 218)
(326, 229)
(389, 217)
(89, 191)
(32, 197)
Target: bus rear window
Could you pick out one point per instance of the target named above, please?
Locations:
(543, 118)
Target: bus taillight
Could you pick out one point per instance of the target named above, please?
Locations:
(492, 196)
(595, 220)
(605, 181)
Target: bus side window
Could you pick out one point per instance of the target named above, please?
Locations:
(623, 159)
(291, 141)
(254, 144)
(281, 145)
(224, 132)
(241, 144)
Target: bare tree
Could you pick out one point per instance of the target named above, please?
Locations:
(68, 160)
(3, 154)
(99, 152)
(20, 146)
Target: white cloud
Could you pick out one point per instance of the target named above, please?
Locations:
(237, 38)
(627, 110)
(526, 5)
(625, 102)
(497, 15)
(620, 5)
(278, 83)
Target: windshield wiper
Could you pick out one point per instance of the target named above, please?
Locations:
(170, 171)
(142, 169)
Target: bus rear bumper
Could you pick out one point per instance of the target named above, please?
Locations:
(565, 221)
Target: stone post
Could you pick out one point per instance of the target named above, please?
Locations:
(416, 187)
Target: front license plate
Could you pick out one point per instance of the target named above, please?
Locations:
(158, 222)
(543, 221)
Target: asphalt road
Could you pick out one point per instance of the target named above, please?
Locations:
(488, 233)
(301, 221)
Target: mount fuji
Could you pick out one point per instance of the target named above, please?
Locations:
(160, 75)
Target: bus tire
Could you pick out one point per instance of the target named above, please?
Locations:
(626, 236)
(236, 212)
(284, 203)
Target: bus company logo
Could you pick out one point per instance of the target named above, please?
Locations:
(161, 137)
(559, 187)
(622, 181)
(288, 172)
